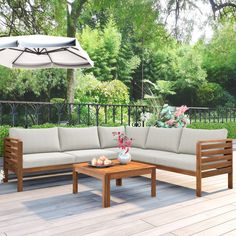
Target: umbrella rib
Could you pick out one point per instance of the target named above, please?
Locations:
(76, 54)
(55, 50)
(48, 55)
(18, 57)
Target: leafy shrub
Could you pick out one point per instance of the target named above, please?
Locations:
(230, 126)
(4, 131)
(57, 100)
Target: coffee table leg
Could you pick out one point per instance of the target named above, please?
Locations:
(153, 191)
(75, 181)
(118, 182)
(106, 191)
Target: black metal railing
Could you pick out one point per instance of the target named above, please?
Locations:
(26, 114)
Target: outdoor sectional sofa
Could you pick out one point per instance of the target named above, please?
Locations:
(199, 153)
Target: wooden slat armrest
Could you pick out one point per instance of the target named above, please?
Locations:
(13, 150)
(215, 141)
(13, 160)
(214, 155)
(13, 139)
(209, 148)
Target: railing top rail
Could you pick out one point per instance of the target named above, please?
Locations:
(53, 103)
(103, 104)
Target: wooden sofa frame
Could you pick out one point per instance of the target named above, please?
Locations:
(213, 157)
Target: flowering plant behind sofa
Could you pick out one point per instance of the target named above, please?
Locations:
(170, 118)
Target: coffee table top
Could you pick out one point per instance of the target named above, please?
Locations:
(132, 168)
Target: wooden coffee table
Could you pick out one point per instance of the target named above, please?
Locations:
(116, 172)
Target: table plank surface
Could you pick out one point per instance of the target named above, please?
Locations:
(117, 168)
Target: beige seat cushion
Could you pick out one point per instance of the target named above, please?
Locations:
(78, 138)
(88, 155)
(138, 134)
(47, 159)
(163, 139)
(106, 136)
(170, 159)
(190, 137)
(37, 140)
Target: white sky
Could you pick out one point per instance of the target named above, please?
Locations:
(199, 21)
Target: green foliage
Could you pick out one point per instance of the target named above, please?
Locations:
(230, 126)
(220, 59)
(103, 47)
(18, 82)
(209, 94)
(112, 59)
(57, 100)
(175, 74)
(4, 131)
(108, 92)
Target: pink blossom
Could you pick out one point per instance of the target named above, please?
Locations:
(123, 141)
(180, 110)
(170, 122)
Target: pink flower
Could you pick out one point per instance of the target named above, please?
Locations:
(123, 141)
(180, 110)
(170, 122)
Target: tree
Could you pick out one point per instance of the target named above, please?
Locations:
(112, 59)
(178, 9)
(219, 57)
(74, 10)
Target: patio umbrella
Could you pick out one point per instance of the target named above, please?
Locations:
(42, 51)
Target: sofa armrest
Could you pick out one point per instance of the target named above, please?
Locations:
(13, 154)
(214, 157)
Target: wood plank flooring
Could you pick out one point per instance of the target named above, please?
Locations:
(48, 207)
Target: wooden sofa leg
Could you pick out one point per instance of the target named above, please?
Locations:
(230, 180)
(198, 186)
(20, 181)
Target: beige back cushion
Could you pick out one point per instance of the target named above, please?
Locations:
(106, 136)
(138, 134)
(190, 137)
(163, 139)
(37, 140)
(78, 138)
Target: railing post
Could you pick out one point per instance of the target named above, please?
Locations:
(121, 115)
(88, 120)
(129, 113)
(143, 111)
(26, 116)
(78, 113)
(114, 114)
(105, 113)
(0, 113)
(97, 114)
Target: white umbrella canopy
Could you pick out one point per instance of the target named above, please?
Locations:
(42, 51)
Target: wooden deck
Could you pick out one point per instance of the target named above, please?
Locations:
(48, 207)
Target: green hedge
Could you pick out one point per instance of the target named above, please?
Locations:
(230, 126)
(4, 130)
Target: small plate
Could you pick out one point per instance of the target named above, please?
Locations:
(104, 166)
